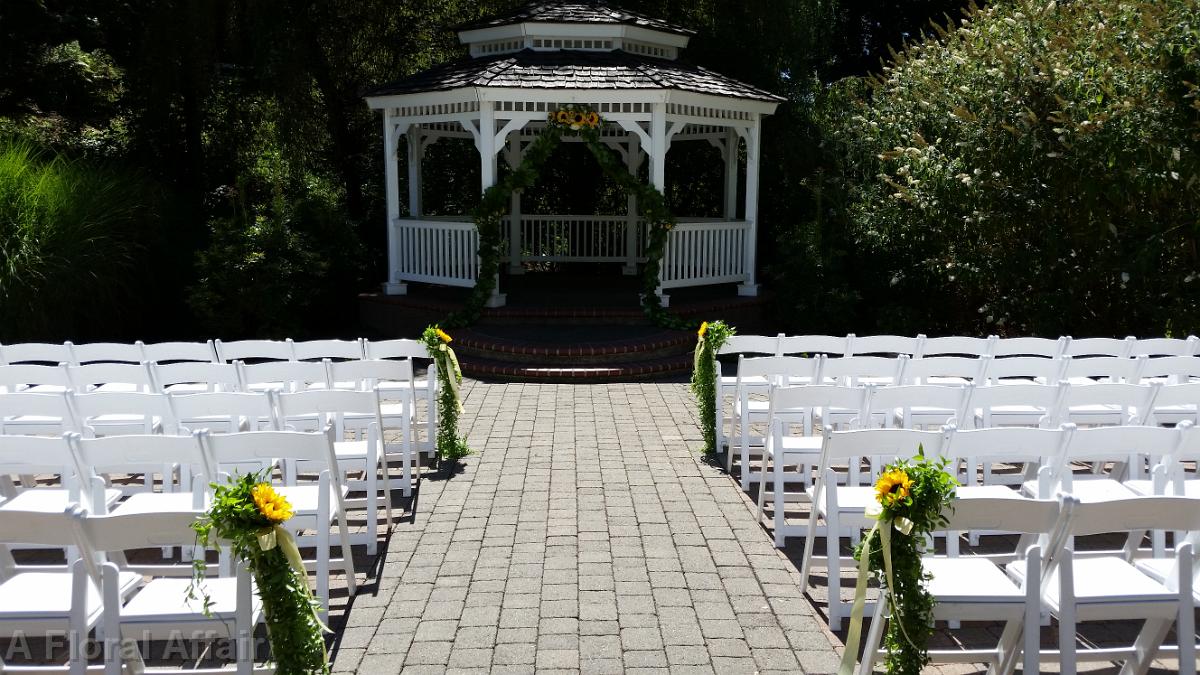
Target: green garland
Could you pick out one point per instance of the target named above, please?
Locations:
(247, 514)
(709, 340)
(912, 500)
(489, 214)
(449, 444)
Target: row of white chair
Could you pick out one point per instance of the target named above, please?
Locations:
(215, 351)
(922, 346)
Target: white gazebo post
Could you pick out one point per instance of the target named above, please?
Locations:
(749, 287)
(514, 155)
(487, 172)
(416, 150)
(393, 286)
(633, 159)
(731, 174)
(658, 169)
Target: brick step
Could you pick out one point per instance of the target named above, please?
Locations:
(653, 369)
(571, 346)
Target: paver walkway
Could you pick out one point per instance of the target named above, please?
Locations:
(586, 536)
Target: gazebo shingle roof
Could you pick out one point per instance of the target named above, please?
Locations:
(575, 12)
(569, 69)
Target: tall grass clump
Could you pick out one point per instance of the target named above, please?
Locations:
(69, 245)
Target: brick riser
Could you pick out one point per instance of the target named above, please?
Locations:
(472, 345)
(673, 366)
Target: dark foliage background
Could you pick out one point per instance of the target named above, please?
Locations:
(250, 169)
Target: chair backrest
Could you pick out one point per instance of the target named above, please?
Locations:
(1166, 347)
(1040, 397)
(752, 344)
(316, 350)
(21, 455)
(254, 350)
(330, 405)
(1136, 514)
(843, 445)
(18, 376)
(850, 369)
(212, 376)
(1128, 399)
(107, 352)
(1044, 370)
(1116, 443)
(88, 376)
(1177, 369)
(192, 412)
(1121, 347)
(776, 369)
(799, 400)
(892, 345)
(905, 398)
(95, 456)
(51, 406)
(171, 352)
(1183, 398)
(1106, 368)
(365, 374)
(1030, 346)
(267, 446)
(283, 375)
(814, 344)
(956, 345)
(138, 403)
(37, 528)
(128, 531)
(969, 368)
(399, 348)
(1002, 514)
(45, 353)
(1010, 444)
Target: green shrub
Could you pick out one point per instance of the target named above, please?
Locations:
(70, 236)
(1034, 171)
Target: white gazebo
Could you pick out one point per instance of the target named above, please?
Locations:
(553, 54)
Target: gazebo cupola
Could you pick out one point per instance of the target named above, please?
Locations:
(533, 61)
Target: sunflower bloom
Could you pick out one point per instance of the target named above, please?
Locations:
(444, 336)
(893, 487)
(703, 329)
(272, 505)
(564, 117)
(593, 119)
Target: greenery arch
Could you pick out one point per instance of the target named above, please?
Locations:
(495, 203)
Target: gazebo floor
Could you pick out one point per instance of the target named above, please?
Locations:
(564, 326)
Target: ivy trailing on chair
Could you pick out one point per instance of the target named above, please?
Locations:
(449, 444)
(488, 215)
(709, 340)
(912, 499)
(248, 514)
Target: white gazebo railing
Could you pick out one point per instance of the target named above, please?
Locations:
(698, 254)
(436, 251)
(547, 238)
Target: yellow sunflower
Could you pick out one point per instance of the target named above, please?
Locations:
(577, 117)
(703, 329)
(893, 487)
(564, 117)
(444, 336)
(271, 504)
(593, 119)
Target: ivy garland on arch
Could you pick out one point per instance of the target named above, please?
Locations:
(492, 208)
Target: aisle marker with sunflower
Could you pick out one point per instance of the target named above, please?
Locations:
(449, 377)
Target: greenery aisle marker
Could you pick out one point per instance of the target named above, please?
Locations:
(449, 444)
(709, 340)
(912, 498)
(248, 514)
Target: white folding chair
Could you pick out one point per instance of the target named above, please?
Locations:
(286, 376)
(1166, 347)
(34, 455)
(194, 376)
(43, 353)
(957, 345)
(254, 350)
(974, 588)
(1125, 447)
(34, 378)
(1109, 369)
(751, 372)
(49, 602)
(107, 352)
(738, 345)
(362, 454)
(317, 350)
(812, 345)
(1029, 346)
(1108, 587)
(1022, 405)
(222, 412)
(110, 377)
(1116, 347)
(891, 345)
(1030, 448)
(30, 414)
(843, 507)
(162, 608)
(316, 505)
(1105, 403)
(789, 407)
(408, 350)
(174, 352)
(914, 406)
(855, 370)
(367, 376)
(111, 413)
(1024, 370)
(96, 457)
(1171, 369)
(951, 370)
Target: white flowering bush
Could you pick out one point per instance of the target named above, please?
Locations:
(1034, 170)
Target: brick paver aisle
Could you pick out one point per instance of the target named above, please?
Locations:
(584, 535)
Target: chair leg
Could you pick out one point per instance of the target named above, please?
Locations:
(780, 499)
(874, 637)
(744, 445)
(324, 553)
(1066, 615)
(762, 488)
(806, 559)
(1151, 637)
(833, 562)
(370, 471)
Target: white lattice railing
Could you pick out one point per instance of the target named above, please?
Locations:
(705, 253)
(578, 238)
(437, 251)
